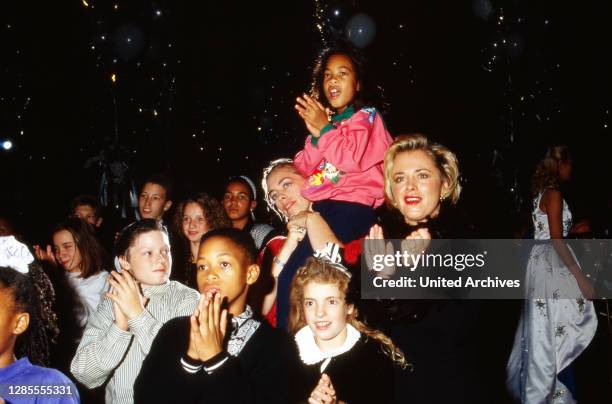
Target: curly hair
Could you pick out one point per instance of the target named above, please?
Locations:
(214, 214)
(32, 293)
(445, 160)
(547, 170)
(92, 253)
(368, 95)
(320, 271)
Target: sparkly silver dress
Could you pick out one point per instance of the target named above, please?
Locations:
(552, 332)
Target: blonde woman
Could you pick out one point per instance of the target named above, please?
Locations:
(552, 332)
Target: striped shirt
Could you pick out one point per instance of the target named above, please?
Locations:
(107, 351)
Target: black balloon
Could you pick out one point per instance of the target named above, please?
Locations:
(361, 30)
(483, 8)
(129, 41)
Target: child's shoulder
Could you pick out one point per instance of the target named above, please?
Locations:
(174, 327)
(369, 350)
(35, 374)
(183, 291)
(367, 112)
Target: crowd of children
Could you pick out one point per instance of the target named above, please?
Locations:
(210, 306)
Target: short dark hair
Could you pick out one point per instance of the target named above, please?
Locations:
(240, 238)
(129, 234)
(243, 180)
(86, 200)
(163, 180)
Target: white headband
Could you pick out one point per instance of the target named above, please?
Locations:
(14, 254)
(331, 254)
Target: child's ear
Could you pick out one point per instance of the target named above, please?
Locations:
(22, 321)
(358, 88)
(252, 274)
(124, 263)
(99, 222)
(167, 205)
(253, 205)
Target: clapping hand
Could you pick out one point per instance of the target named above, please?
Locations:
(126, 294)
(416, 242)
(376, 245)
(208, 325)
(324, 393)
(45, 255)
(313, 113)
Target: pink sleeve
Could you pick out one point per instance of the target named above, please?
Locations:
(355, 146)
(308, 159)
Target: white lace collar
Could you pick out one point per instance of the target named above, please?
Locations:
(310, 353)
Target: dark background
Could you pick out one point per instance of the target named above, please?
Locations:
(207, 91)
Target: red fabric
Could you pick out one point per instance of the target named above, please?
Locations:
(352, 251)
(274, 245)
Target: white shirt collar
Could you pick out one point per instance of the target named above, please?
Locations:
(310, 353)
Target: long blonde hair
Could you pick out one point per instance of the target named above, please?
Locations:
(547, 171)
(320, 271)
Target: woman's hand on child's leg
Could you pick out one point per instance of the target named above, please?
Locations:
(324, 393)
(208, 325)
(128, 296)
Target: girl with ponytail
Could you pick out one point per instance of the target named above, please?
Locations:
(341, 358)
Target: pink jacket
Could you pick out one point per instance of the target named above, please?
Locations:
(346, 162)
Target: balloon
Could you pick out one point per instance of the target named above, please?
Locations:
(483, 9)
(129, 41)
(360, 30)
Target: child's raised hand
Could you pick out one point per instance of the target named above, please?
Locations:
(128, 296)
(324, 393)
(121, 320)
(45, 255)
(313, 113)
(208, 326)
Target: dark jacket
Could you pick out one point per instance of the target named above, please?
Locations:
(364, 374)
(259, 374)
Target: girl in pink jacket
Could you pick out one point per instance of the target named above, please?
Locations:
(342, 158)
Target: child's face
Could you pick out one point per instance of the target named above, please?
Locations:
(152, 202)
(326, 314)
(67, 253)
(149, 259)
(340, 83)
(12, 324)
(88, 214)
(284, 190)
(223, 267)
(237, 201)
(194, 222)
